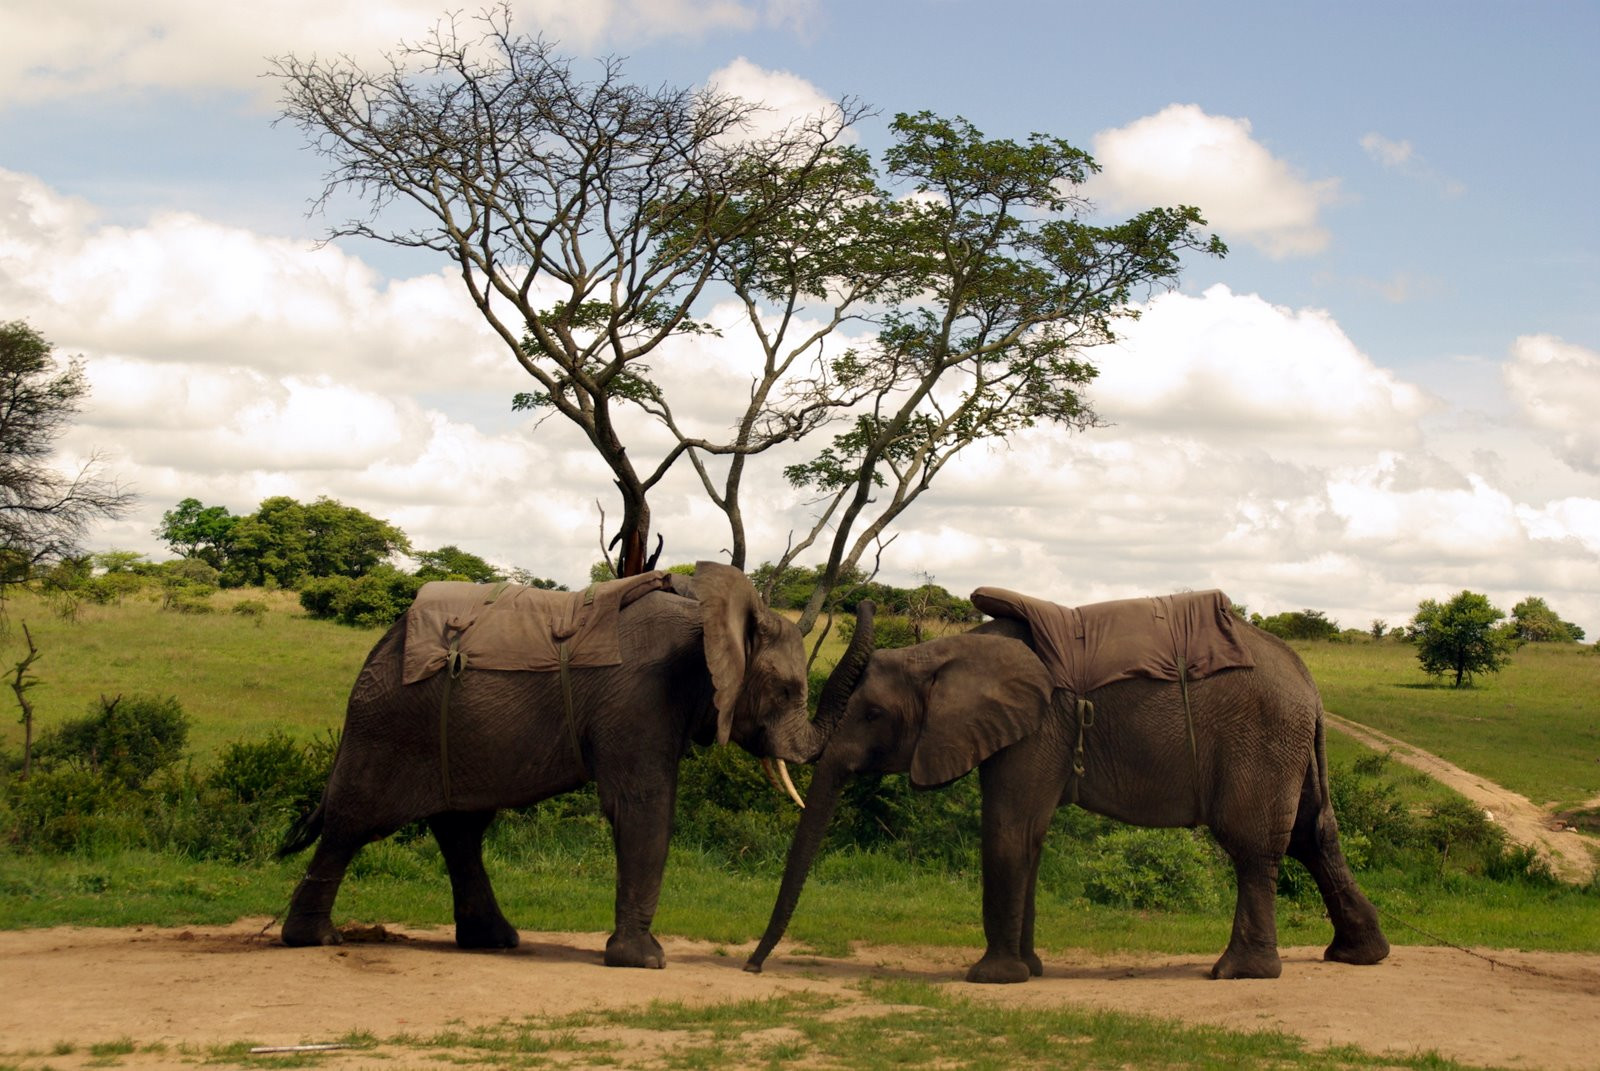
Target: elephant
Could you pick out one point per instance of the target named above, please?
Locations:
(1248, 762)
(699, 660)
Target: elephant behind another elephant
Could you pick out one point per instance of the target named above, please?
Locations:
(701, 662)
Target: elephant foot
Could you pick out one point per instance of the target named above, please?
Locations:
(1001, 970)
(1035, 965)
(305, 931)
(1362, 952)
(1245, 965)
(493, 932)
(635, 950)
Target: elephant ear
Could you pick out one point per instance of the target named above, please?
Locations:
(730, 615)
(990, 692)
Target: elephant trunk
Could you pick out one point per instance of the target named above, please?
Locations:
(842, 681)
(822, 799)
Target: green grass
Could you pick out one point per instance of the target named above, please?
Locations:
(236, 677)
(1531, 727)
(1526, 727)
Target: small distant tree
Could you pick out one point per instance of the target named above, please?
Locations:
(1533, 621)
(1378, 629)
(1299, 625)
(451, 562)
(194, 530)
(1461, 637)
(43, 512)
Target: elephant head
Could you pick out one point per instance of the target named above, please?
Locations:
(757, 661)
(934, 711)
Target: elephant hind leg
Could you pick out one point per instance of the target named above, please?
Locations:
(1357, 937)
(479, 922)
(310, 917)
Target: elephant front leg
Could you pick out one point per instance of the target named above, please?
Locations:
(479, 922)
(641, 825)
(1013, 837)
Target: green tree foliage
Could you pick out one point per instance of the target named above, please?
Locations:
(1299, 625)
(1460, 637)
(376, 599)
(1532, 621)
(195, 530)
(792, 588)
(452, 563)
(43, 513)
(283, 543)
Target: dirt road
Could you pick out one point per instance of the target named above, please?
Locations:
(190, 989)
(1572, 854)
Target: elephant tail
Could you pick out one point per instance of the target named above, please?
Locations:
(302, 833)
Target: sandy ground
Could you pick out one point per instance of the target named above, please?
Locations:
(205, 986)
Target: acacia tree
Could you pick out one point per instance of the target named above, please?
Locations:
(586, 218)
(595, 222)
(1004, 288)
(1461, 637)
(43, 512)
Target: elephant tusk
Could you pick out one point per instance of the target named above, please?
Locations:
(783, 772)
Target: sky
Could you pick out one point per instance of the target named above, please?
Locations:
(1384, 393)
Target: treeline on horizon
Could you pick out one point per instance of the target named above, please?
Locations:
(341, 562)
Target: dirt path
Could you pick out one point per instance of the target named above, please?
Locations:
(1571, 853)
(191, 989)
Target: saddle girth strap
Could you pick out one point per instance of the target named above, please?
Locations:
(453, 666)
(565, 652)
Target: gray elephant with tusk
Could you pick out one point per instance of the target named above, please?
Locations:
(1159, 712)
(491, 696)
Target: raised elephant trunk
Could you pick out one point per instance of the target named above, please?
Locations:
(842, 681)
(826, 785)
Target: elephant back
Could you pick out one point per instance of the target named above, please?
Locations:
(514, 627)
(1171, 637)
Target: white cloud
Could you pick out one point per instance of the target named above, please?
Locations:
(1385, 151)
(52, 49)
(1253, 446)
(1402, 156)
(1557, 386)
(786, 99)
(1242, 369)
(1181, 155)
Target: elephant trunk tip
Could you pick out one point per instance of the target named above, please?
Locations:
(752, 965)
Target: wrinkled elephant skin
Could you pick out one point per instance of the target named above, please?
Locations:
(702, 663)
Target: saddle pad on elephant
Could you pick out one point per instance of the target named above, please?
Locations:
(1087, 647)
(509, 626)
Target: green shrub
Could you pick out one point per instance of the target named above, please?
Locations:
(1153, 869)
(70, 809)
(125, 740)
(888, 630)
(375, 600)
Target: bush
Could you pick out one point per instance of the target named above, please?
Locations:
(126, 740)
(1152, 869)
(888, 630)
(375, 600)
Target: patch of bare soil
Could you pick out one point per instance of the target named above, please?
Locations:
(1570, 852)
(199, 987)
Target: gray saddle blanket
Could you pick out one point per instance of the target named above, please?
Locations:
(509, 626)
(1170, 637)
